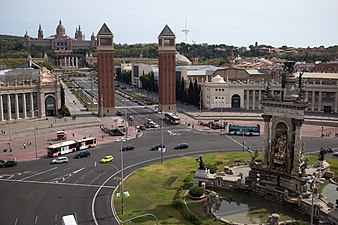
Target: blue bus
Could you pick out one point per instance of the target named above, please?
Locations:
(244, 130)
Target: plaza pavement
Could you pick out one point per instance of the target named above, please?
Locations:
(88, 124)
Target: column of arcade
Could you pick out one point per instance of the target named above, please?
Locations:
(16, 106)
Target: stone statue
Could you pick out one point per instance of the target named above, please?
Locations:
(268, 92)
(280, 146)
(202, 165)
(322, 153)
(303, 167)
(253, 157)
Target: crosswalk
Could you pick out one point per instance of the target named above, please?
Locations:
(86, 177)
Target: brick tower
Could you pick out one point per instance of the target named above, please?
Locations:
(167, 70)
(105, 67)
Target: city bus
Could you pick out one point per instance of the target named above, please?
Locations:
(172, 118)
(87, 143)
(70, 146)
(244, 130)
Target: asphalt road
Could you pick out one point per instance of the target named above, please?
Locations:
(37, 192)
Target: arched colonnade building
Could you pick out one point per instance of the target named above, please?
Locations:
(321, 94)
(28, 92)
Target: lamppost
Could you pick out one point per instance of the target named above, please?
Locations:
(122, 187)
(36, 150)
(162, 147)
(313, 182)
(143, 215)
(126, 117)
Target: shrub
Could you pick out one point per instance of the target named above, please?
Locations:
(196, 192)
(177, 204)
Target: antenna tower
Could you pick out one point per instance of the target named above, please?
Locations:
(186, 31)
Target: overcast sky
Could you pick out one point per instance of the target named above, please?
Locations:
(297, 23)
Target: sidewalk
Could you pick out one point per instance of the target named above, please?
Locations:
(86, 124)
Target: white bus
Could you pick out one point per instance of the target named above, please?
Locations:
(172, 118)
(70, 146)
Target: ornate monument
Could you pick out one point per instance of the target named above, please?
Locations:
(283, 148)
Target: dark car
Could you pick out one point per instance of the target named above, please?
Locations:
(118, 113)
(82, 154)
(128, 148)
(181, 146)
(9, 163)
(158, 147)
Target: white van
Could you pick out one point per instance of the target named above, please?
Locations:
(69, 220)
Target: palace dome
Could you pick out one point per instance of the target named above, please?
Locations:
(217, 79)
(60, 30)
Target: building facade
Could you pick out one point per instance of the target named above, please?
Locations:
(60, 41)
(321, 92)
(29, 92)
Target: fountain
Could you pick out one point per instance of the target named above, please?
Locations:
(283, 174)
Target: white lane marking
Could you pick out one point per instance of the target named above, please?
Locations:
(56, 217)
(96, 178)
(16, 221)
(45, 171)
(36, 219)
(66, 176)
(52, 183)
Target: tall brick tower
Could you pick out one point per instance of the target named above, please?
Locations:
(105, 66)
(167, 70)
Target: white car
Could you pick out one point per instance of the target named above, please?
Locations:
(335, 154)
(58, 160)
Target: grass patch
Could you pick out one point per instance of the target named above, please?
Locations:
(159, 189)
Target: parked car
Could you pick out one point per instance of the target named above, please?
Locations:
(181, 146)
(128, 148)
(106, 159)
(118, 113)
(158, 147)
(61, 159)
(82, 154)
(335, 154)
(142, 127)
(131, 118)
(8, 163)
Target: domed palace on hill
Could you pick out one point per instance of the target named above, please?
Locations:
(60, 41)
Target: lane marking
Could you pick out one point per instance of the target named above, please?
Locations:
(36, 219)
(45, 171)
(16, 221)
(97, 177)
(53, 183)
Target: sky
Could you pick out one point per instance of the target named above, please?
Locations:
(294, 23)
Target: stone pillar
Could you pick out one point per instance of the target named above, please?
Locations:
(266, 148)
(260, 97)
(306, 98)
(320, 102)
(16, 105)
(1, 109)
(253, 99)
(247, 99)
(313, 101)
(297, 147)
(68, 62)
(336, 103)
(73, 63)
(77, 62)
(9, 110)
(32, 105)
(24, 105)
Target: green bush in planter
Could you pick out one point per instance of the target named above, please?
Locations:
(196, 192)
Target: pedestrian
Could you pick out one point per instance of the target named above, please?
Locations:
(73, 134)
(24, 146)
(29, 143)
(51, 125)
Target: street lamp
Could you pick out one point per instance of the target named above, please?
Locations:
(162, 147)
(313, 182)
(122, 187)
(143, 215)
(36, 150)
(126, 117)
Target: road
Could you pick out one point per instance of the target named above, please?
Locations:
(37, 192)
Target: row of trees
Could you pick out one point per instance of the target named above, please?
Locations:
(215, 54)
(190, 95)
